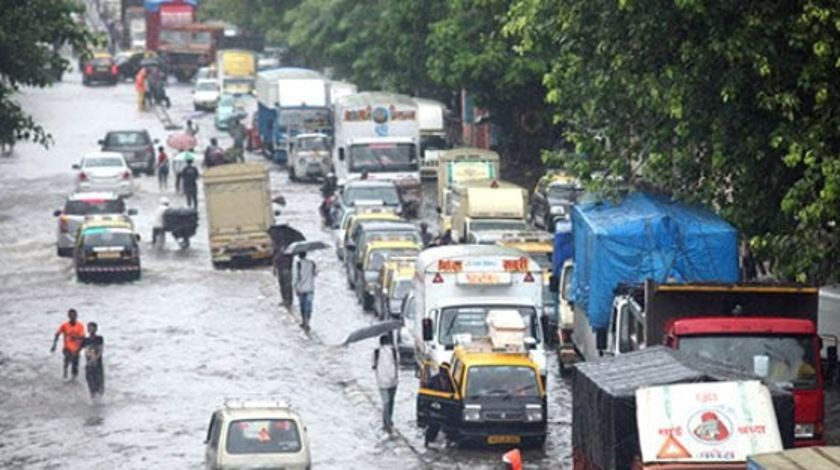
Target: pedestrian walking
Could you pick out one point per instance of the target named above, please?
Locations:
(283, 269)
(305, 272)
(162, 169)
(74, 333)
(93, 346)
(159, 224)
(425, 236)
(385, 360)
(140, 89)
(192, 128)
(189, 183)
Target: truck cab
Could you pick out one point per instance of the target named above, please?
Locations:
(310, 156)
(457, 166)
(488, 394)
(455, 287)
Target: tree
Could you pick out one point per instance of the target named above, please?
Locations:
(31, 33)
(733, 104)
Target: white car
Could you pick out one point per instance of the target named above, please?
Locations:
(256, 434)
(205, 94)
(104, 171)
(77, 208)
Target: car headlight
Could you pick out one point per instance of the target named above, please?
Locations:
(472, 413)
(803, 430)
(533, 413)
(558, 210)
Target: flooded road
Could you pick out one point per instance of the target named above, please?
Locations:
(185, 336)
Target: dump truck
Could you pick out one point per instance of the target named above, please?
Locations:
(239, 213)
(236, 71)
(457, 166)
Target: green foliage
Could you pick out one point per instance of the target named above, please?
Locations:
(30, 34)
(730, 103)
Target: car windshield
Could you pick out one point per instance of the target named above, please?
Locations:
(313, 143)
(265, 436)
(472, 321)
(406, 234)
(787, 361)
(93, 237)
(504, 381)
(382, 157)
(297, 121)
(433, 142)
(478, 225)
(100, 62)
(103, 162)
(206, 86)
(563, 191)
(377, 258)
(127, 139)
(400, 288)
(227, 101)
(387, 194)
(94, 206)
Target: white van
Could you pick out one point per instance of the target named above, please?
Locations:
(456, 286)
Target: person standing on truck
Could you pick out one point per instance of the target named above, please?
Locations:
(385, 362)
(74, 333)
(305, 288)
(213, 154)
(189, 182)
(162, 169)
(93, 347)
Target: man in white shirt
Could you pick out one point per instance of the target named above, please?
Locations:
(305, 273)
(385, 361)
(158, 227)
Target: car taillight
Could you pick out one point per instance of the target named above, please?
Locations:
(82, 176)
(114, 70)
(63, 225)
(126, 175)
(88, 69)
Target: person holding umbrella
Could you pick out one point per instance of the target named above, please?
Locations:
(184, 143)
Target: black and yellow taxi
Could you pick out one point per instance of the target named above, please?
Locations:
(101, 67)
(107, 249)
(484, 397)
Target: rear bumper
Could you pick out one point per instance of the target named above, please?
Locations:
(251, 252)
(124, 268)
(123, 188)
(485, 430)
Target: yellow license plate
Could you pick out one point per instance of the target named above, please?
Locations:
(493, 440)
(109, 255)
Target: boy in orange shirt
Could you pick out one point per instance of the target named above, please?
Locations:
(74, 334)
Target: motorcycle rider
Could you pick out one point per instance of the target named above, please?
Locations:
(328, 190)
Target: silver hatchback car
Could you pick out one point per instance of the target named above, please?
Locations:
(76, 208)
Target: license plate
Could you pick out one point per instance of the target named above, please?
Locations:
(101, 69)
(108, 255)
(493, 440)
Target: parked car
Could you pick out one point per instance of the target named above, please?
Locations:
(256, 434)
(136, 146)
(205, 94)
(553, 198)
(100, 68)
(107, 249)
(77, 208)
(104, 171)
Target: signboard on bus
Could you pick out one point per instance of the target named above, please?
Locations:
(706, 422)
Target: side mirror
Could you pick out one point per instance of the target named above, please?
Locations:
(156, 141)
(276, 212)
(57, 213)
(553, 284)
(341, 155)
(137, 236)
(439, 210)
(548, 336)
(427, 329)
(132, 212)
(76, 166)
(100, 142)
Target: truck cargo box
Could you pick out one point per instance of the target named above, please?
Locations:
(604, 426)
(797, 459)
(646, 237)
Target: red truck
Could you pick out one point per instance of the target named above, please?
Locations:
(766, 330)
(162, 14)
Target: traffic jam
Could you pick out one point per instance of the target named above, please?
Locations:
(295, 272)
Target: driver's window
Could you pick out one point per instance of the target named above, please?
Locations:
(566, 288)
(408, 311)
(213, 432)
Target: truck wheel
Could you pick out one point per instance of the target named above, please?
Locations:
(367, 302)
(81, 277)
(535, 442)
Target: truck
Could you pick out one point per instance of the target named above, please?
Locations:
(185, 48)
(794, 459)
(236, 71)
(338, 89)
(651, 271)
(239, 213)
(487, 206)
(163, 14)
(457, 166)
(433, 136)
(664, 409)
(456, 286)
(378, 134)
(290, 101)
(134, 27)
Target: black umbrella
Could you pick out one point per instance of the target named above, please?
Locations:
(304, 246)
(373, 331)
(283, 235)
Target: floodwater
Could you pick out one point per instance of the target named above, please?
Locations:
(185, 336)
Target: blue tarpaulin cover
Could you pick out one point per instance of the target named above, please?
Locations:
(563, 247)
(646, 237)
(154, 5)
